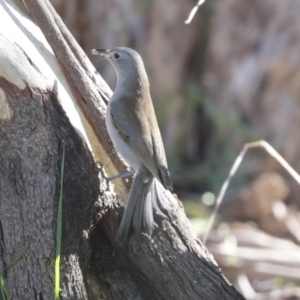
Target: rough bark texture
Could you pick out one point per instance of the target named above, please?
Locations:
(28, 183)
(35, 123)
(173, 264)
(31, 149)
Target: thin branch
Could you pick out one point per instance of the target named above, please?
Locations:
(80, 55)
(193, 12)
(271, 151)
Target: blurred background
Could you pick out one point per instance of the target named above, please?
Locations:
(230, 77)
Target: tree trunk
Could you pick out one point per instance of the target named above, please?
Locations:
(50, 97)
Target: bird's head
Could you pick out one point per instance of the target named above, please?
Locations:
(126, 62)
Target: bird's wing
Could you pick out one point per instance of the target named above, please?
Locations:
(144, 142)
(161, 161)
(133, 132)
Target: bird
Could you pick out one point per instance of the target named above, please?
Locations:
(132, 126)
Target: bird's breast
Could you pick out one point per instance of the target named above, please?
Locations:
(119, 143)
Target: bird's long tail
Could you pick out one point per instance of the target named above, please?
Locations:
(147, 202)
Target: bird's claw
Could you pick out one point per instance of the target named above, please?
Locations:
(103, 175)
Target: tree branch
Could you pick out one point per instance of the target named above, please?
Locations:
(88, 96)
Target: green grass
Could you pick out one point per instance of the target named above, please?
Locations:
(59, 230)
(4, 291)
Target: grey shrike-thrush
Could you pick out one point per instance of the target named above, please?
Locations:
(133, 129)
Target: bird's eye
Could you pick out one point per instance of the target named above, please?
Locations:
(116, 56)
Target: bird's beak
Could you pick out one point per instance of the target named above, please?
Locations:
(102, 52)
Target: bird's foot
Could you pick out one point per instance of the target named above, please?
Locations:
(103, 175)
(109, 179)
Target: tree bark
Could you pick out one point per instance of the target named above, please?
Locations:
(50, 96)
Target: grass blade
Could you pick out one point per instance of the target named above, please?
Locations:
(59, 230)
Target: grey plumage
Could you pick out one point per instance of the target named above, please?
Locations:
(132, 126)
